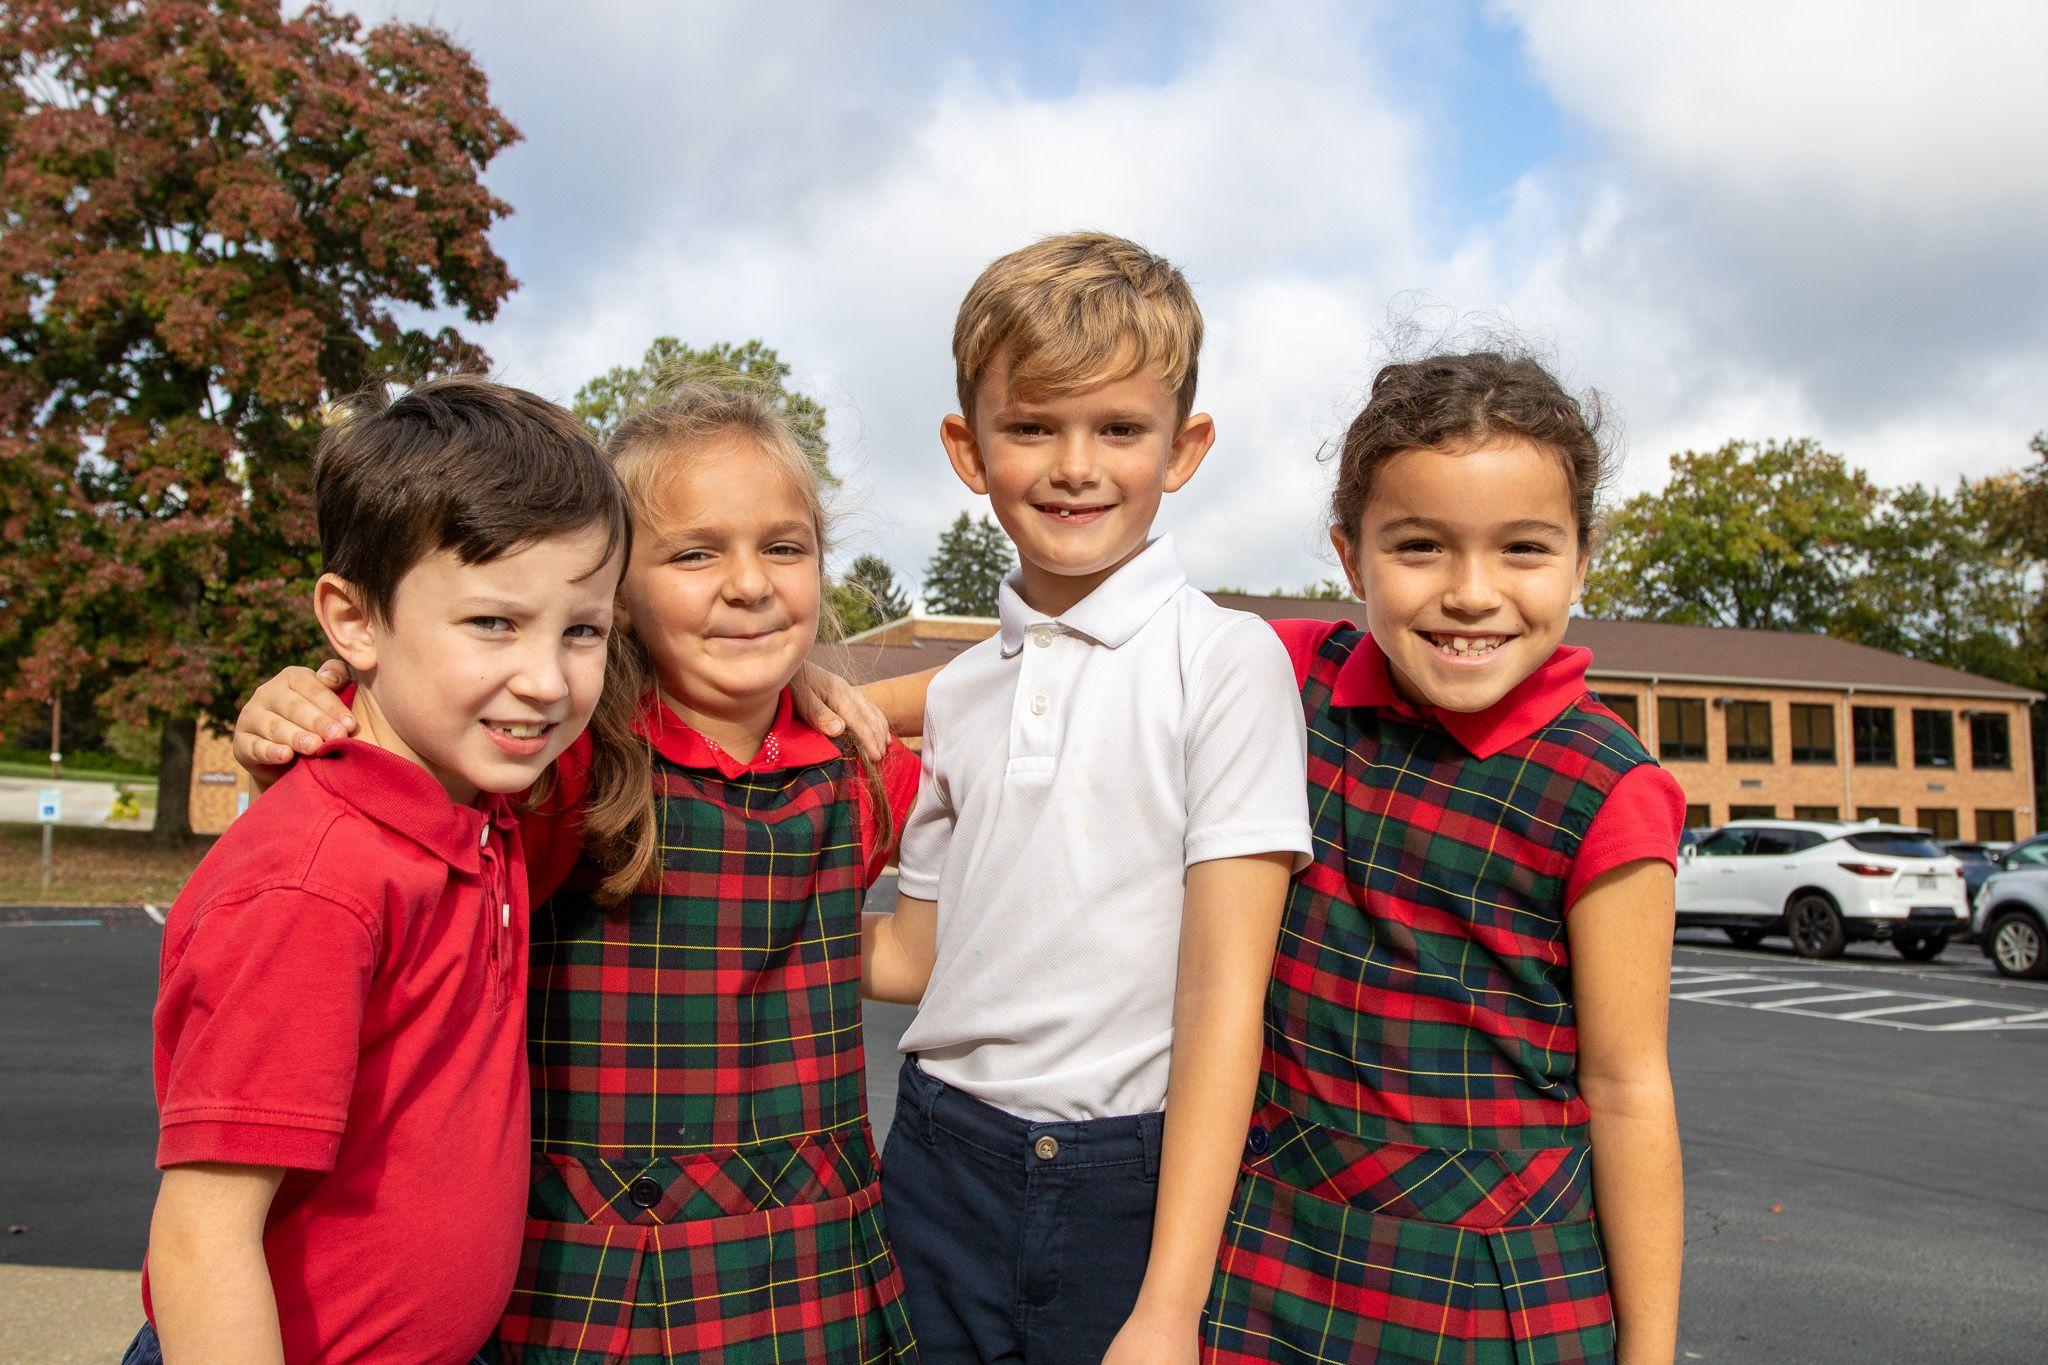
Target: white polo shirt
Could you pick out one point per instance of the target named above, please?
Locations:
(1074, 767)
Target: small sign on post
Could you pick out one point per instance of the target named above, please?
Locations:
(49, 802)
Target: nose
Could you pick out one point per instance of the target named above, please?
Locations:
(746, 579)
(1074, 465)
(542, 680)
(1472, 591)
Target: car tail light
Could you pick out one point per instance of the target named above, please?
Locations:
(1866, 869)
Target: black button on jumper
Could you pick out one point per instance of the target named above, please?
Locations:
(1256, 1140)
(644, 1192)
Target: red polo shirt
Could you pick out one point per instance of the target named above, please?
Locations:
(1640, 819)
(554, 831)
(343, 993)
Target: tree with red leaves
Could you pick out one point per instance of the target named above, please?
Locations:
(211, 217)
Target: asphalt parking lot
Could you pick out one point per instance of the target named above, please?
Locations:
(1864, 1139)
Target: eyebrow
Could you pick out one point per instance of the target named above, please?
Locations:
(671, 536)
(1526, 526)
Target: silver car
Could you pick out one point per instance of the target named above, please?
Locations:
(2011, 921)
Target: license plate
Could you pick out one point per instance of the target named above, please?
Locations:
(1926, 882)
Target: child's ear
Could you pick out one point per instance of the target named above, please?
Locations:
(1341, 542)
(963, 448)
(351, 629)
(1190, 446)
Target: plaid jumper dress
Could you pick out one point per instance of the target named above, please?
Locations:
(705, 1186)
(1417, 1180)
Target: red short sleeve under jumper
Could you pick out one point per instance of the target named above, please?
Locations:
(1417, 1179)
(343, 994)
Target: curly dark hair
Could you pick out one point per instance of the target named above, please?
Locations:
(1456, 400)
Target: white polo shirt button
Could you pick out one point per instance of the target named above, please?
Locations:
(483, 838)
(1038, 704)
(1041, 637)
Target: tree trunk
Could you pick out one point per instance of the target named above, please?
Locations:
(174, 782)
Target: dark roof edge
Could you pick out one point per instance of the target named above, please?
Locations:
(1998, 690)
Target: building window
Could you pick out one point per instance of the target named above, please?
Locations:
(1994, 826)
(1752, 812)
(1625, 707)
(1749, 732)
(1816, 812)
(1698, 817)
(1934, 739)
(1873, 730)
(1990, 740)
(1884, 814)
(1941, 822)
(1813, 733)
(1681, 727)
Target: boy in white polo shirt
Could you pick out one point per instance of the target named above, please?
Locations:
(1092, 878)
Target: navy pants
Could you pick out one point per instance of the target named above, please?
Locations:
(1019, 1241)
(145, 1350)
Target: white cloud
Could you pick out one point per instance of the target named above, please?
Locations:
(1813, 220)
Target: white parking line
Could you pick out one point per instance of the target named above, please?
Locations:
(1750, 988)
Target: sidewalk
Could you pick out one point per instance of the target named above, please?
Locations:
(56, 1316)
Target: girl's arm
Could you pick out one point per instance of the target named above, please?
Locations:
(1620, 938)
(1229, 927)
(896, 951)
(901, 700)
(292, 714)
(209, 1286)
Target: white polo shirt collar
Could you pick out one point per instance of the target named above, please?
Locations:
(1117, 610)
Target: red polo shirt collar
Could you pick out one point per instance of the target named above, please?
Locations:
(1530, 705)
(789, 743)
(404, 798)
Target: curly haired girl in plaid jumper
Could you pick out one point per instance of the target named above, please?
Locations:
(1465, 1034)
(705, 1186)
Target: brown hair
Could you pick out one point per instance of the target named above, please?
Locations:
(1458, 400)
(647, 450)
(458, 463)
(1076, 310)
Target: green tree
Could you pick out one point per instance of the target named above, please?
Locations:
(1323, 590)
(967, 569)
(1936, 584)
(606, 400)
(1764, 537)
(213, 220)
(867, 595)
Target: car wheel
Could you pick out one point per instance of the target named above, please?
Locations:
(1920, 947)
(2017, 945)
(1815, 926)
(1744, 938)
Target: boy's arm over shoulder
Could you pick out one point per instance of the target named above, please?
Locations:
(1247, 785)
(258, 1025)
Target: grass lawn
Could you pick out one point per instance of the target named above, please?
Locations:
(139, 781)
(93, 866)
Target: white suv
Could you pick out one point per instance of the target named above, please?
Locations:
(1824, 883)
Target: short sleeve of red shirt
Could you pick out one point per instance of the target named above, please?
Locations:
(1640, 819)
(1303, 639)
(262, 1015)
(553, 831)
(900, 775)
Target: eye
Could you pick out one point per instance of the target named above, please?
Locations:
(1415, 546)
(587, 632)
(1026, 429)
(493, 625)
(690, 557)
(1123, 431)
(789, 549)
(1529, 547)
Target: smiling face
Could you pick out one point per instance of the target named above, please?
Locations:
(1075, 478)
(1468, 562)
(724, 587)
(481, 673)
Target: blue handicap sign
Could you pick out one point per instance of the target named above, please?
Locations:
(48, 800)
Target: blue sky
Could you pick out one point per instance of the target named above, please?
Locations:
(1739, 221)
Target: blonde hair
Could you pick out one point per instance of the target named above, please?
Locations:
(1076, 310)
(649, 450)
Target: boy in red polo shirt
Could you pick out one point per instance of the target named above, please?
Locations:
(340, 1024)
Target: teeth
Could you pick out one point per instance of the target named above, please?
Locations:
(1466, 646)
(1066, 511)
(526, 730)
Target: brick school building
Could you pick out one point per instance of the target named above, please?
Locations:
(1750, 722)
